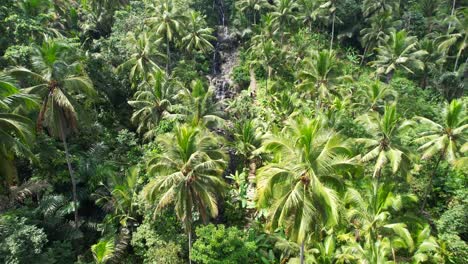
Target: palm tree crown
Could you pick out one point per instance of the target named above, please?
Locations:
(293, 185)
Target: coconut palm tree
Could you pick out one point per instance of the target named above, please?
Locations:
(248, 140)
(188, 175)
(122, 197)
(284, 15)
(444, 140)
(198, 35)
(400, 52)
(143, 60)
(320, 74)
(168, 23)
(57, 76)
(384, 146)
(369, 212)
(372, 7)
(197, 105)
(252, 9)
(16, 130)
(103, 251)
(293, 187)
(457, 35)
(309, 12)
(432, 61)
(376, 35)
(152, 103)
(373, 96)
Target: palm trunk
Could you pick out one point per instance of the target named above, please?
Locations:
(40, 118)
(451, 14)
(168, 54)
(364, 54)
(389, 77)
(70, 169)
(429, 185)
(333, 32)
(302, 257)
(253, 83)
(190, 246)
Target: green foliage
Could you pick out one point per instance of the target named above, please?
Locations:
(220, 244)
(20, 242)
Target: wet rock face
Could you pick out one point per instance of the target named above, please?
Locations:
(225, 59)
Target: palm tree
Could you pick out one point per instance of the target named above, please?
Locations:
(103, 251)
(444, 140)
(376, 35)
(293, 186)
(16, 130)
(457, 35)
(330, 7)
(432, 60)
(266, 53)
(198, 35)
(252, 8)
(384, 144)
(371, 7)
(310, 12)
(197, 105)
(152, 103)
(374, 95)
(284, 15)
(319, 75)
(168, 24)
(188, 175)
(400, 51)
(123, 197)
(143, 59)
(58, 76)
(369, 213)
(248, 140)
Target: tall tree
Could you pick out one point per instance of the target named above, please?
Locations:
(188, 175)
(152, 103)
(443, 140)
(320, 74)
(16, 130)
(457, 35)
(284, 15)
(252, 9)
(58, 77)
(168, 23)
(293, 187)
(198, 35)
(143, 60)
(400, 52)
(376, 35)
(384, 145)
(197, 105)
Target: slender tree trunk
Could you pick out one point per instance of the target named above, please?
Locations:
(364, 54)
(40, 118)
(431, 179)
(70, 169)
(389, 77)
(168, 54)
(190, 246)
(253, 83)
(302, 257)
(451, 14)
(333, 31)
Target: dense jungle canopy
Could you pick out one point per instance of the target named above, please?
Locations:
(233, 131)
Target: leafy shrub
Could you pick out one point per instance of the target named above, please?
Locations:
(20, 242)
(218, 244)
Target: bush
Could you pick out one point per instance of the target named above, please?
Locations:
(20, 242)
(218, 244)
